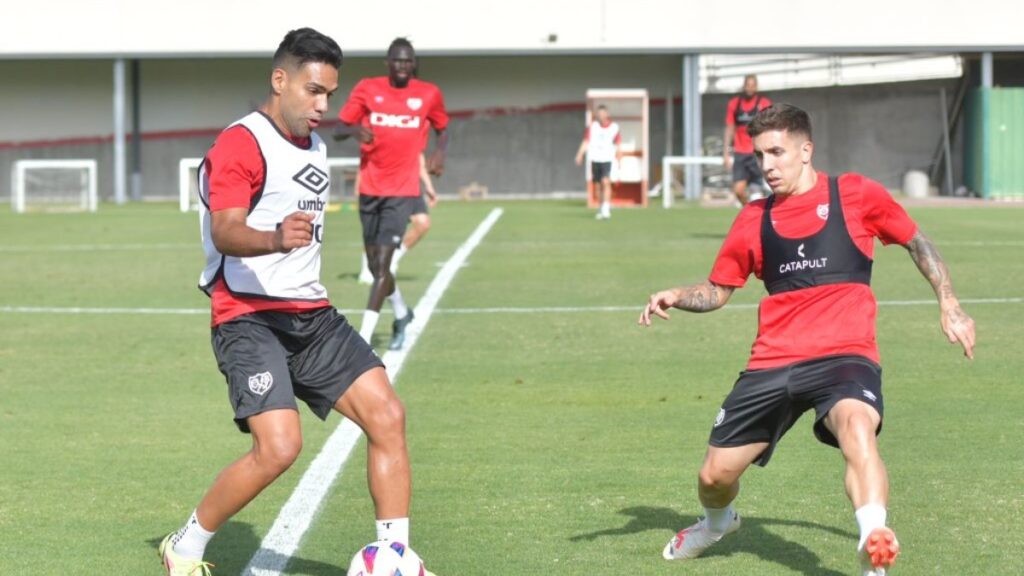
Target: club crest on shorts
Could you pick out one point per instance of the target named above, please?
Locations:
(720, 418)
(260, 383)
(823, 211)
(414, 103)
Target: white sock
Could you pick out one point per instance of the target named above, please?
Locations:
(719, 519)
(606, 208)
(396, 256)
(393, 530)
(869, 517)
(401, 310)
(365, 269)
(369, 324)
(190, 542)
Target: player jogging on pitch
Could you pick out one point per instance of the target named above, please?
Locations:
(738, 114)
(390, 115)
(275, 335)
(601, 145)
(811, 244)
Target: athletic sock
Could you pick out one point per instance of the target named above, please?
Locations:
(719, 519)
(190, 542)
(869, 517)
(369, 324)
(393, 530)
(401, 310)
(606, 208)
(396, 256)
(365, 269)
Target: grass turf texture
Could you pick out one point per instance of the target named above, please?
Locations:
(542, 443)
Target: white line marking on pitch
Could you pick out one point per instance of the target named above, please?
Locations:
(491, 310)
(297, 513)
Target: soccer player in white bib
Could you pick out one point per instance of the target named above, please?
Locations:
(601, 145)
(275, 335)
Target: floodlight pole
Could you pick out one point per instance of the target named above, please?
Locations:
(120, 163)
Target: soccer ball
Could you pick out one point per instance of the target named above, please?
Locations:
(386, 559)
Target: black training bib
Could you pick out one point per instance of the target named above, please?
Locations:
(827, 257)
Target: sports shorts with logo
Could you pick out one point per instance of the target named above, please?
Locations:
(745, 168)
(764, 404)
(385, 218)
(599, 171)
(271, 358)
(420, 206)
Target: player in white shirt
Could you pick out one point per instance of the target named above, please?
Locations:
(601, 144)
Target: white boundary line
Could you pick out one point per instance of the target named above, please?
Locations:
(491, 310)
(297, 513)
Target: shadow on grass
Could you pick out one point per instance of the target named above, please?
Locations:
(237, 542)
(754, 537)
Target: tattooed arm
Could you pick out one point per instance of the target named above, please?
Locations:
(703, 297)
(957, 325)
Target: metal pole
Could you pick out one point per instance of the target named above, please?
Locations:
(986, 69)
(691, 122)
(136, 131)
(119, 128)
(945, 142)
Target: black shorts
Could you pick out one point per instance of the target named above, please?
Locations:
(745, 168)
(599, 171)
(420, 206)
(270, 358)
(385, 218)
(764, 404)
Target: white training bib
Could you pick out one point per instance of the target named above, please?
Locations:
(602, 142)
(295, 179)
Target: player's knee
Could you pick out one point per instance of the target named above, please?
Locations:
(386, 423)
(857, 433)
(715, 477)
(278, 454)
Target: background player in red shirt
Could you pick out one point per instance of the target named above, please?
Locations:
(390, 116)
(811, 243)
(275, 335)
(738, 114)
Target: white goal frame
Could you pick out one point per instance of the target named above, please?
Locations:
(185, 166)
(88, 200)
(667, 162)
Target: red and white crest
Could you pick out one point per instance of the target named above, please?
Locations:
(823, 211)
(414, 103)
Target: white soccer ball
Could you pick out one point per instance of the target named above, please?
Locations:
(386, 559)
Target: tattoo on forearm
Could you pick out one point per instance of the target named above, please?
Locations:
(930, 263)
(702, 298)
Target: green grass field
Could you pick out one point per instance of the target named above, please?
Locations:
(543, 442)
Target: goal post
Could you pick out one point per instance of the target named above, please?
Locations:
(338, 168)
(54, 185)
(668, 162)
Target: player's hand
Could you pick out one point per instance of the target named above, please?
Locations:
(657, 305)
(295, 231)
(435, 164)
(959, 327)
(727, 161)
(364, 135)
(579, 160)
(431, 199)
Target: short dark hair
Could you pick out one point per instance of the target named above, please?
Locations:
(400, 42)
(307, 45)
(781, 116)
(750, 77)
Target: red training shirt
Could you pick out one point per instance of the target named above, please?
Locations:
(235, 168)
(742, 143)
(824, 320)
(399, 118)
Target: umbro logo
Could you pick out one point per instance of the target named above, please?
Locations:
(869, 395)
(312, 178)
(800, 251)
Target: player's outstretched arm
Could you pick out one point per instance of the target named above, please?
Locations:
(957, 325)
(344, 131)
(703, 297)
(233, 237)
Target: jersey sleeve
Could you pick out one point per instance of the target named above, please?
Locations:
(438, 116)
(235, 167)
(736, 259)
(730, 111)
(355, 108)
(882, 216)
